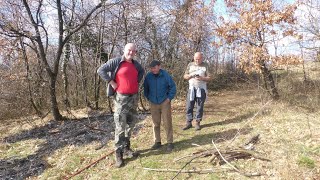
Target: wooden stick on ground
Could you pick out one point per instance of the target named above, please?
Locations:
(197, 152)
(187, 171)
(88, 166)
(186, 165)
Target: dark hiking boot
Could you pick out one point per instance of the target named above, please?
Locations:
(170, 147)
(197, 126)
(156, 145)
(188, 126)
(119, 158)
(130, 153)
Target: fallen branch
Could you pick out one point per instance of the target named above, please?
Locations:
(236, 169)
(199, 171)
(220, 157)
(91, 164)
(240, 154)
(194, 153)
(178, 159)
(233, 167)
(254, 139)
(186, 165)
(96, 129)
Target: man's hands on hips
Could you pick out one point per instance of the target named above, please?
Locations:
(113, 84)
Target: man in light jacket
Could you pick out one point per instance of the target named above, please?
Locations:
(198, 74)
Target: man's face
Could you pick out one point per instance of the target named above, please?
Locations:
(197, 58)
(130, 51)
(155, 69)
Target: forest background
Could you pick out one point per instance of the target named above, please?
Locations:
(50, 50)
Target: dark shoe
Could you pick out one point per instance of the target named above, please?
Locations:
(156, 145)
(188, 126)
(130, 153)
(170, 147)
(119, 158)
(197, 126)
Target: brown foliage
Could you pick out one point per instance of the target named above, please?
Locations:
(252, 27)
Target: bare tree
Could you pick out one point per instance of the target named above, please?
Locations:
(309, 25)
(39, 35)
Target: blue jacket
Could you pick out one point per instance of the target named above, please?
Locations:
(157, 88)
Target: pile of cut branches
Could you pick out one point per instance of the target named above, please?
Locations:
(219, 157)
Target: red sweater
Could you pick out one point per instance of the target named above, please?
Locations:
(127, 78)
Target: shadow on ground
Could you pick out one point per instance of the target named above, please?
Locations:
(204, 139)
(201, 140)
(237, 119)
(57, 134)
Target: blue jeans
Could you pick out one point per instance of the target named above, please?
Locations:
(190, 105)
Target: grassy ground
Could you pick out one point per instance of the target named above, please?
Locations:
(290, 138)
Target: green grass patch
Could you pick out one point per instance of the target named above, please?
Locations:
(21, 149)
(152, 163)
(306, 162)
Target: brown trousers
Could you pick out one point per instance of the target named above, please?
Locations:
(162, 112)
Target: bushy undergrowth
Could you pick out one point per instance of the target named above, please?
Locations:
(299, 88)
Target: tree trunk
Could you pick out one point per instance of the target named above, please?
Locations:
(98, 59)
(54, 104)
(269, 82)
(96, 91)
(83, 73)
(25, 57)
(303, 67)
(65, 76)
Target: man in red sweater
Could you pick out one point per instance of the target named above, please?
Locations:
(123, 75)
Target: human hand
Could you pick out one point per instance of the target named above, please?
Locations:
(193, 76)
(197, 77)
(113, 84)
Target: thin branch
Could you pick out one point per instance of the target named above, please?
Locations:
(89, 165)
(186, 165)
(180, 158)
(84, 22)
(199, 171)
(95, 129)
(200, 151)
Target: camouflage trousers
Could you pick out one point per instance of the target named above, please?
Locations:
(125, 117)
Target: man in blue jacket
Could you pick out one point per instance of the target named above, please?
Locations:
(160, 89)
